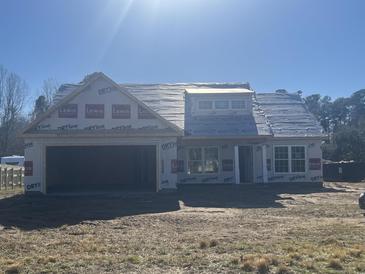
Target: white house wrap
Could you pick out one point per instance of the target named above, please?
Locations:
(101, 135)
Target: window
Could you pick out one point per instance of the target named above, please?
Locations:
(121, 111)
(281, 159)
(221, 104)
(144, 113)
(205, 105)
(211, 160)
(94, 111)
(68, 111)
(297, 159)
(195, 164)
(289, 158)
(203, 160)
(241, 104)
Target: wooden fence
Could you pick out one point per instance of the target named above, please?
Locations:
(11, 177)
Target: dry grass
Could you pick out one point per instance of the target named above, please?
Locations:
(282, 269)
(317, 231)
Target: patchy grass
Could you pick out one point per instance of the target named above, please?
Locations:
(282, 269)
(264, 230)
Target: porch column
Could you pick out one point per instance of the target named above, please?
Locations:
(264, 164)
(236, 164)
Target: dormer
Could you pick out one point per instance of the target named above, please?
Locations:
(220, 102)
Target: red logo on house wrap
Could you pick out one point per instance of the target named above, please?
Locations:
(28, 168)
(94, 111)
(121, 111)
(315, 164)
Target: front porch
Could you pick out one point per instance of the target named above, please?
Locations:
(223, 161)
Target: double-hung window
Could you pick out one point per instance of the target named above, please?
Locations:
(297, 159)
(289, 159)
(281, 159)
(203, 160)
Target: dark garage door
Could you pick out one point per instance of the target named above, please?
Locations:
(102, 168)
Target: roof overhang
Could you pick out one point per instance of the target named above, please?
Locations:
(240, 137)
(321, 137)
(98, 134)
(218, 91)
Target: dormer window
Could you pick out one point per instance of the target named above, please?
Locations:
(222, 104)
(238, 104)
(205, 105)
(218, 102)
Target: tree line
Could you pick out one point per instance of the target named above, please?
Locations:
(14, 114)
(343, 119)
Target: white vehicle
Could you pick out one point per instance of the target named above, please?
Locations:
(14, 160)
(362, 201)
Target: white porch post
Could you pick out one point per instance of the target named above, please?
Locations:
(264, 164)
(236, 164)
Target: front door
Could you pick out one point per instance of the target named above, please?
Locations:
(245, 164)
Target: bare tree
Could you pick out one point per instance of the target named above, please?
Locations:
(3, 74)
(13, 94)
(49, 89)
(45, 99)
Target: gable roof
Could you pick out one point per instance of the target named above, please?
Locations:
(73, 90)
(274, 114)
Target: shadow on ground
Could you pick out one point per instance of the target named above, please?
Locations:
(38, 212)
(246, 196)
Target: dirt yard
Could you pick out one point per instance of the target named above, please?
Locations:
(264, 229)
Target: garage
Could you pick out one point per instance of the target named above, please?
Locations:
(100, 168)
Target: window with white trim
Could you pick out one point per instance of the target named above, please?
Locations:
(289, 158)
(238, 104)
(297, 159)
(203, 160)
(281, 159)
(221, 104)
(205, 105)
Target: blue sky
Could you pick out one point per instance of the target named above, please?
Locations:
(317, 46)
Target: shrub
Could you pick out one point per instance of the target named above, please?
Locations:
(235, 261)
(134, 259)
(203, 244)
(247, 266)
(12, 269)
(262, 266)
(213, 243)
(335, 264)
